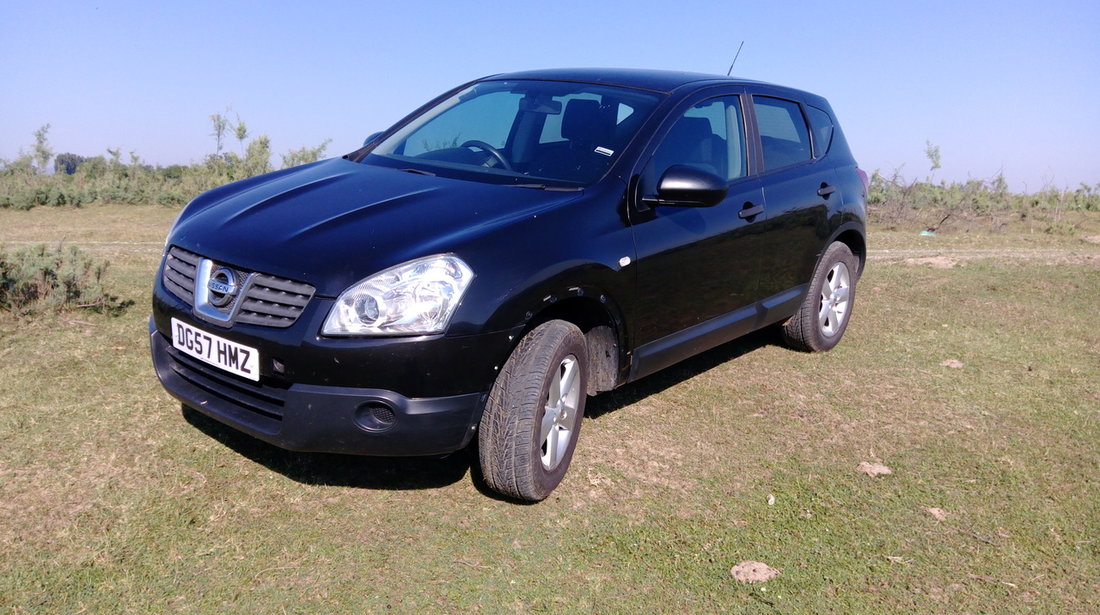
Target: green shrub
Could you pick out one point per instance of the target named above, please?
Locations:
(40, 279)
(77, 180)
(895, 202)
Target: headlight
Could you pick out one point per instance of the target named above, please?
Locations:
(417, 297)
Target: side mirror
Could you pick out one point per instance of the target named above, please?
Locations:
(687, 186)
(371, 138)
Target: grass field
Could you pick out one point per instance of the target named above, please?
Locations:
(971, 369)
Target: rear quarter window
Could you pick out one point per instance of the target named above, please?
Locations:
(822, 126)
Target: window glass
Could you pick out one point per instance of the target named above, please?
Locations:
(783, 133)
(520, 132)
(709, 136)
(822, 126)
(478, 118)
(551, 130)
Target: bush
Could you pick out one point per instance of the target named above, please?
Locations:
(25, 182)
(40, 279)
(895, 202)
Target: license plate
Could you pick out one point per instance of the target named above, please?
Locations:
(217, 351)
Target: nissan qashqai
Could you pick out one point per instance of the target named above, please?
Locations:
(523, 241)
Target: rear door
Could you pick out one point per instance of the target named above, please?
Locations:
(797, 187)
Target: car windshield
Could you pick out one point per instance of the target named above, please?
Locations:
(534, 133)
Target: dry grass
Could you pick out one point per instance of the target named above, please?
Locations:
(113, 500)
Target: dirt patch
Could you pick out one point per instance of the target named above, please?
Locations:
(938, 513)
(873, 469)
(935, 262)
(633, 463)
(753, 572)
(949, 258)
(1092, 260)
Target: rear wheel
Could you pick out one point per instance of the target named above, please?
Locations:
(533, 416)
(823, 317)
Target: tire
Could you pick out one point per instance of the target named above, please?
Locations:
(820, 322)
(530, 426)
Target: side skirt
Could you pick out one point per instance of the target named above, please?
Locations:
(671, 349)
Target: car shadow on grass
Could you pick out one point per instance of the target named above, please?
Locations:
(382, 473)
(412, 473)
(685, 370)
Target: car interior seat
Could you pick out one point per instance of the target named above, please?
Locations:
(692, 142)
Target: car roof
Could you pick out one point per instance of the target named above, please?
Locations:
(655, 80)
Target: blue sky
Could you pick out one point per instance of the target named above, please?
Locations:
(1008, 87)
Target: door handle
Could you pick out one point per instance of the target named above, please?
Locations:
(825, 190)
(750, 210)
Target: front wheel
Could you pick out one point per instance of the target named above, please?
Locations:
(533, 415)
(823, 317)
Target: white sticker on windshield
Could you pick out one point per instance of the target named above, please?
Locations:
(604, 151)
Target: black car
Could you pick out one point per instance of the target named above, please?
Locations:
(517, 244)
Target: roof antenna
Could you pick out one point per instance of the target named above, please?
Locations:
(730, 71)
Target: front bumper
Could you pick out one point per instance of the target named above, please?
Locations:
(319, 418)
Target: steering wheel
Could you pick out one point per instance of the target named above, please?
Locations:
(494, 152)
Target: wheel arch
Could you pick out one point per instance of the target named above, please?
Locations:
(602, 328)
(853, 236)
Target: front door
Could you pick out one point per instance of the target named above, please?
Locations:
(697, 264)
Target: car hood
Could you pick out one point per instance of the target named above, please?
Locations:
(336, 222)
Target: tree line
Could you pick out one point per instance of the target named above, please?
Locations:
(894, 201)
(74, 180)
(41, 178)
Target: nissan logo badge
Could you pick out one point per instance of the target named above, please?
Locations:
(223, 287)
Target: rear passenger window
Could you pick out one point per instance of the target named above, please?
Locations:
(783, 133)
(822, 126)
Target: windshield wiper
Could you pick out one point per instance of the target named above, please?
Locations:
(418, 172)
(547, 187)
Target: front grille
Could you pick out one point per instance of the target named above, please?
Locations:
(273, 302)
(264, 300)
(263, 400)
(180, 269)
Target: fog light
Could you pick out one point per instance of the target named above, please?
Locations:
(375, 416)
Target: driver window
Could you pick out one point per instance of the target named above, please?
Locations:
(709, 136)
